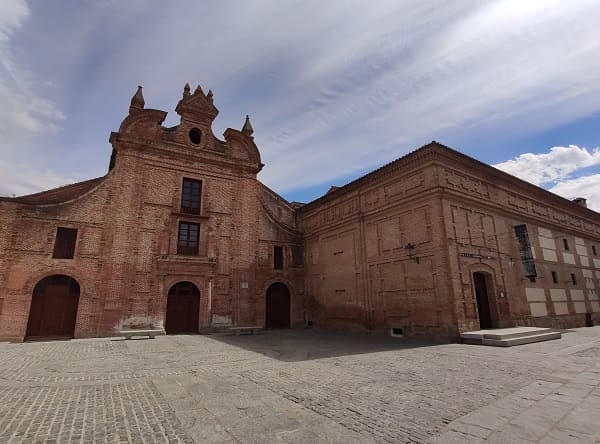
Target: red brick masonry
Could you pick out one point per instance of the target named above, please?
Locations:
(425, 244)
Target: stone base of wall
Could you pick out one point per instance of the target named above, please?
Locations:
(11, 339)
(444, 334)
(468, 325)
(560, 322)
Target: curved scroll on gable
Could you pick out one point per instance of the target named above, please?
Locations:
(242, 146)
(144, 122)
(277, 211)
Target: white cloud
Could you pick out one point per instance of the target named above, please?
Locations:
(558, 164)
(21, 179)
(587, 187)
(22, 111)
(12, 14)
(332, 88)
(555, 170)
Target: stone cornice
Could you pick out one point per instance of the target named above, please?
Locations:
(184, 153)
(454, 160)
(443, 155)
(411, 159)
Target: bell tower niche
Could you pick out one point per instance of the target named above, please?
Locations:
(197, 113)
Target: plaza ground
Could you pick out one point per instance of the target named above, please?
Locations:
(299, 387)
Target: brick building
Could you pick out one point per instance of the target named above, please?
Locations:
(180, 234)
(439, 243)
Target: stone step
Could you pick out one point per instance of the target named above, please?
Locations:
(505, 337)
(527, 339)
(517, 332)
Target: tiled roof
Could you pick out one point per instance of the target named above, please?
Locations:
(57, 195)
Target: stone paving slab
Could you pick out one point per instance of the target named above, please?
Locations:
(298, 387)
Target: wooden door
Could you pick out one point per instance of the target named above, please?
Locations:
(53, 310)
(278, 306)
(183, 309)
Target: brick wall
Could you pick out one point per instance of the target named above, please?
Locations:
(400, 247)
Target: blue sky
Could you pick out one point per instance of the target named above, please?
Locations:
(333, 89)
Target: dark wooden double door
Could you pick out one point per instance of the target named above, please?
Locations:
(278, 306)
(53, 310)
(483, 301)
(183, 309)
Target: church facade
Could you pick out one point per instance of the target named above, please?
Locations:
(181, 235)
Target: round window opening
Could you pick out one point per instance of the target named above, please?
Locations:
(195, 136)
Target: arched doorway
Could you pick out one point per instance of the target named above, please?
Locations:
(183, 307)
(53, 308)
(481, 284)
(278, 306)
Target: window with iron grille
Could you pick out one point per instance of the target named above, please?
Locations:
(190, 196)
(64, 244)
(187, 242)
(525, 253)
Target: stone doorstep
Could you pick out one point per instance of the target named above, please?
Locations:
(510, 333)
(506, 332)
(505, 337)
(522, 340)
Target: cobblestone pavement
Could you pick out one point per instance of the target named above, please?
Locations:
(299, 387)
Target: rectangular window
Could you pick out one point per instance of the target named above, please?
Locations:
(64, 244)
(190, 196)
(573, 279)
(554, 277)
(594, 250)
(278, 257)
(525, 252)
(566, 244)
(187, 242)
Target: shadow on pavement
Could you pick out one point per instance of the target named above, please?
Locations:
(302, 345)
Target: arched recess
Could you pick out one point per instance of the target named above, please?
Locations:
(484, 292)
(53, 309)
(183, 308)
(277, 306)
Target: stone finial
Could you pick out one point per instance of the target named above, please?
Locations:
(197, 105)
(137, 101)
(247, 128)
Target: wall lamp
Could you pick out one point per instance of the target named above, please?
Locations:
(410, 248)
